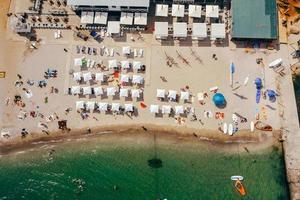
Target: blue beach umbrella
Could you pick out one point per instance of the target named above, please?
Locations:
(219, 100)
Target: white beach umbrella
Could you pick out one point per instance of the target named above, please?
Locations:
(137, 65)
(124, 78)
(98, 91)
(172, 94)
(79, 105)
(102, 106)
(111, 91)
(184, 95)
(77, 76)
(179, 110)
(87, 90)
(160, 93)
(125, 64)
(154, 108)
(75, 89)
(123, 92)
(135, 93)
(90, 105)
(137, 79)
(87, 76)
(115, 107)
(129, 107)
(126, 50)
(77, 61)
(166, 109)
(112, 64)
(100, 77)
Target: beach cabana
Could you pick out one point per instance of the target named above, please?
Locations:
(100, 77)
(102, 106)
(184, 95)
(90, 105)
(179, 110)
(162, 10)
(135, 93)
(154, 108)
(112, 64)
(166, 109)
(177, 10)
(126, 18)
(160, 93)
(77, 76)
(87, 90)
(128, 107)
(79, 105)
(212, 11)
(78, 62)
(87, 76)
(100, 18)
(126, 51)
(124, 78)
(113, 27)
(123, 92)
(137, 65)
(172, 95)
(115, 107)
(87, 17)
(199, 31)
(125, 64)
(111, 91)
(161, 30)
(180, 29)
(75, 89)
(140, 18)
(217, 31)
(137, 79)
(195, 11)
(98, 91)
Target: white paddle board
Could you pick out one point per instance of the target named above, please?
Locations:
(252, 126)
(225, 128)
(230, 129)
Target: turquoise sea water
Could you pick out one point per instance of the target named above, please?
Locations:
(125, 169)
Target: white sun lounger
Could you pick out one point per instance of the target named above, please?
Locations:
(135, 53)
(141, 53)
(112, 52)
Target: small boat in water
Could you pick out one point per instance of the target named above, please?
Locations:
(235, 178)
(239, 187)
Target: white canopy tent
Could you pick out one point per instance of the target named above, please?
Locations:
(112, 64)
(111, 91)
(100, 77)
(212, 11)
(102, 106)
(113, 27)
(100, 18)
(123, 92)
(177, 10)
(180, 29)
(154, 108)
(78, 61)
(125, 64)
(137, 79)
(135, 93)
(87, 90)
(98, 91)
(75, 89)
(79, 105)
(115, 107)
(126, 18)
(162, 10)
(126, 50)
(90, 105)
(137, 65)
(166, 109)
(179, 110)
(87, 17)
(87, 76)
(217, 31)
(199, 31)
(124, 78)
(195, 11)
(172, 94)
(160, 93)
(128, 107)
(161, 30)
(184, 95)
(140, 18)
(77, 76)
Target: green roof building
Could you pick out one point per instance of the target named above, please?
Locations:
(254, 19)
